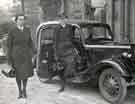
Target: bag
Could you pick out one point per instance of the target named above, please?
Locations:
(10, 74)
(60, 66)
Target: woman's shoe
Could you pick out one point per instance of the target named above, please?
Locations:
(24, 94)
(20, 95)
(61, 89)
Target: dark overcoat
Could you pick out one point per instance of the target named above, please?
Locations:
(63, 37)
(20, 51)
(65, 48)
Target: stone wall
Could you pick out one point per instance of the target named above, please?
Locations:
(72, 9)
(50, 9)
(132, 21)
(32, 11)
(121, 17)
(42, 10)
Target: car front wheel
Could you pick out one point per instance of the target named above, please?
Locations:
(112, 86)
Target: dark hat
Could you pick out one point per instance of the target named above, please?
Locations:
(17, 15)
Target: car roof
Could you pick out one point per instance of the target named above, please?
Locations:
(74, 22)
(79, 21)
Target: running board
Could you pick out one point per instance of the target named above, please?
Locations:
(79, 79)
(130, 84)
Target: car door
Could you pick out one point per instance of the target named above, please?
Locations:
(45, 54)
(97, 40)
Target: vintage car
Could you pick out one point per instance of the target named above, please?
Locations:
(4, 29)
(110, 64)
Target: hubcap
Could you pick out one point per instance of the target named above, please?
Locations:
(111, 85)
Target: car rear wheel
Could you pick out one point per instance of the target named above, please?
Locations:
(112, 86)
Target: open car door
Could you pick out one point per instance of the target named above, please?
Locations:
(45, 51)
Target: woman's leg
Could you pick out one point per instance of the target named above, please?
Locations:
(19, 87)
(24, 88)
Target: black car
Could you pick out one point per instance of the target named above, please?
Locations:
(110, 64)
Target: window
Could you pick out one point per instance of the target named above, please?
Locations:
(95, 33)
(47, 34)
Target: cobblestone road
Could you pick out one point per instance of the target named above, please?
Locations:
(41, 93)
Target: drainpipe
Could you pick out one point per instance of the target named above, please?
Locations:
(112, 10)
(127, 20)
(22, 3)
(122, 20)
(62, 8)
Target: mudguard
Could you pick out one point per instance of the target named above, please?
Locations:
(108, 63)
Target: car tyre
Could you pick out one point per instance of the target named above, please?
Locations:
(112, 86)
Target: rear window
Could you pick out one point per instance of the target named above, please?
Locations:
(47, 34)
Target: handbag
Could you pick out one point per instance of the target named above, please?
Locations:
(10, 74)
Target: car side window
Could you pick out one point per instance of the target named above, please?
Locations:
(87, 33)
(99, 32)
(95, 33)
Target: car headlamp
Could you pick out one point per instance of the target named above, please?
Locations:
(126, 54)
(129, 55)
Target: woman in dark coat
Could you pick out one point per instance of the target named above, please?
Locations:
(20, 52)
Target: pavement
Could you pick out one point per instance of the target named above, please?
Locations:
(47, 93)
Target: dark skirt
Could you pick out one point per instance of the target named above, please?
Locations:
(23, 69)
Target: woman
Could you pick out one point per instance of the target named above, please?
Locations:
(20, 52)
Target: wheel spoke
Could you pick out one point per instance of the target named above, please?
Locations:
(111, 85)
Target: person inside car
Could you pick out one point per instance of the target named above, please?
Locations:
(88, 35)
